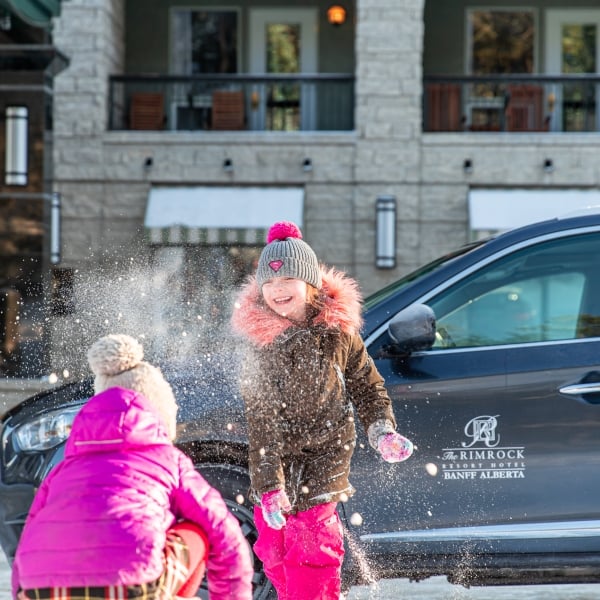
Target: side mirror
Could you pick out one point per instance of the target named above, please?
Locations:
(413, 329)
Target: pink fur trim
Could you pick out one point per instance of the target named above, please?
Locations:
(343, 309)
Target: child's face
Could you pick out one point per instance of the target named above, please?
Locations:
(286, 296)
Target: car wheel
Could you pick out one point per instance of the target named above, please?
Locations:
(233, 482)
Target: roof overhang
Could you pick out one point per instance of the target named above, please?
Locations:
(38, 13)
(32, 57)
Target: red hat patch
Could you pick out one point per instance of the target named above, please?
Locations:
(276, 265)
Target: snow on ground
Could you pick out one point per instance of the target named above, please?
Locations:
(435, 588)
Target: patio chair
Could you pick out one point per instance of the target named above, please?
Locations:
(525, 108)
(228, 111)
(147, 111)
(443, 107)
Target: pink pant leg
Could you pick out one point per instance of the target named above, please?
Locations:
(269, 547)
(314, 551)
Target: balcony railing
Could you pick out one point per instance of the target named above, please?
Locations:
(514, 103)
(321, 102)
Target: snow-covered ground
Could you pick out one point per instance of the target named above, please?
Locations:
(435, 588)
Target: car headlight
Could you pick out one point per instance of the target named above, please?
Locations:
(46, 431)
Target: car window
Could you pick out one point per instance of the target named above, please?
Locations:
(540, 293)
(384, 293)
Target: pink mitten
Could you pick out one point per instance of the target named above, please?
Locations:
(394, 447)
(274, 504)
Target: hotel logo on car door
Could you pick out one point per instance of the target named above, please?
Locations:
(482, 456)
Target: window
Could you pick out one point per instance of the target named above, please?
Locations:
(543, 293)
(204, 41)
(500, 41)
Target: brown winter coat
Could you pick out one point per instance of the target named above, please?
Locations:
(301, 385)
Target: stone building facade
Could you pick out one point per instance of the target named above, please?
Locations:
(104, 179)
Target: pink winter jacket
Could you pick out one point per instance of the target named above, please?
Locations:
(101, 515)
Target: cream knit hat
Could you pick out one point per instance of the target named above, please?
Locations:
(117, 361)
(287, 255)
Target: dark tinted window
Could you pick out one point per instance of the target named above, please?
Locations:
(541, 293)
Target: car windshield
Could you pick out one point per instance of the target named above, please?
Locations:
(391, 289)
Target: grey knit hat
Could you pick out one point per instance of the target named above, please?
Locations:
(287, 255)
(117, 361)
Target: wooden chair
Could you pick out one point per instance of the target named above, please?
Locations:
(147, 111)
(228, 111)
(525, 108)
(443, 107)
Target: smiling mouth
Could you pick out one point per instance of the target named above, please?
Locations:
(284, 300)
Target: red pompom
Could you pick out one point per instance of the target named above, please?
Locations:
(283, 230)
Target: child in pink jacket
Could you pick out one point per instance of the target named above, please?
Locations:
(125, 514)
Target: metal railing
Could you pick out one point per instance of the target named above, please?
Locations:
(513, 103)
(320, 102)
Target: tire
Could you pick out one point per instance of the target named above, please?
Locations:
(233, 482)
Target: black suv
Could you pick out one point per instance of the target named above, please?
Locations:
(491, 355)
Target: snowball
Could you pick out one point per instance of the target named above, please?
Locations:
(356, 519)
(431, 469)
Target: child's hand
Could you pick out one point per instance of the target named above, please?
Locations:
(394, 447)
(274, 504)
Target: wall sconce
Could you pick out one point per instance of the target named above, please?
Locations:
(385, 211)
(148, 163)
(548, 165)
(336, 15)
(15, 164)
(228, 165)
(55, 229)
(468, 166)
(307, 165)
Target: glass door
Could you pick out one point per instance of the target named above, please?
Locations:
(203, 42)
(283, 41)
(572, 48)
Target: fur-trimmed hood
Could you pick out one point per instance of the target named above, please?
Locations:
(342, 309)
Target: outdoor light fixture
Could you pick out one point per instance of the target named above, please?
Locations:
(307, 165)
(228, 165)
(385, 211)
(55, 229)
(468, 165)
(548, 166)
(336, 15)
(15, 164)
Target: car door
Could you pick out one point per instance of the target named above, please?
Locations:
(506, 433)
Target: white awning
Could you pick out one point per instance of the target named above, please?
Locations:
(219, 215)
(493, 210)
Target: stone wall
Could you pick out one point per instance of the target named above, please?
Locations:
(104, 184)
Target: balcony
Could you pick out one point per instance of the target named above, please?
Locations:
(511, 103)
(321, 102)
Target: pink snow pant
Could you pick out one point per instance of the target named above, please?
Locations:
(304, 559)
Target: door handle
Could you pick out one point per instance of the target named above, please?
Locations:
(580, 388)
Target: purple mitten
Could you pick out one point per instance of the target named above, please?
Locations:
(394, 447)
(274, 504)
